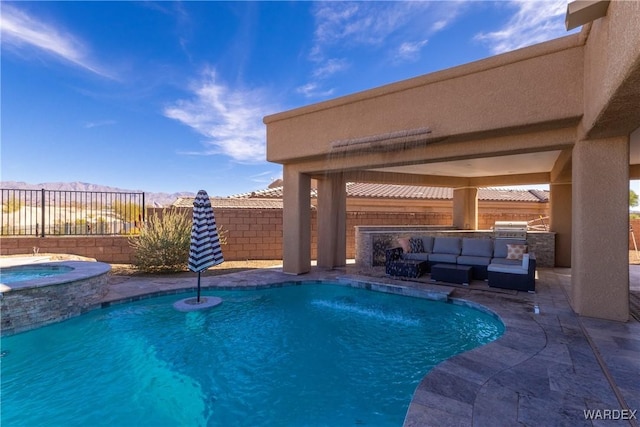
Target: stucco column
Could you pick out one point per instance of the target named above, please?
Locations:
(332, 220)
(560, 221)
(465, 208)
(296, 222)
(600, 246)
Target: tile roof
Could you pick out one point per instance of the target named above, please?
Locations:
(513, 195)
(395, 191)
(380, 191)
(269, 193)
(232, 203)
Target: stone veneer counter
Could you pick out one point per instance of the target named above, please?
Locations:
(372, 241)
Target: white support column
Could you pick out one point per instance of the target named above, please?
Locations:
(600, 246)
(332, 220)
(296, 218)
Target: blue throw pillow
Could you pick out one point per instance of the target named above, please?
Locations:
(416, 245)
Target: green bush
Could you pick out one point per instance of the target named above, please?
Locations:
(163, 243)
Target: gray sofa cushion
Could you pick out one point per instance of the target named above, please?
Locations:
(477, 247)
(505, 261)
(427, 243)
(500, 246)
(444, 258)
(417, 256)
(449, 245)
(473, 260)
(510, 269)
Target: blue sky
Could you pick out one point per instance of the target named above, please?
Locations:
(170, 96)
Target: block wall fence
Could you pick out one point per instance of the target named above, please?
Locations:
(251, 234)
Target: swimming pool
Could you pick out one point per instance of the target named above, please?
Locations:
(314, 354)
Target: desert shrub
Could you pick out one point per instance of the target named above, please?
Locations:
(14, 204)
(163, 243)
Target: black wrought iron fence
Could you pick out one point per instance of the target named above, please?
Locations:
(56, 212)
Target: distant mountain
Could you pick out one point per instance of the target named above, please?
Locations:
(151, 199)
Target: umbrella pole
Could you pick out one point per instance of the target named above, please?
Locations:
(198, 299)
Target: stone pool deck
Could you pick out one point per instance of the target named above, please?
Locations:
(550, 368)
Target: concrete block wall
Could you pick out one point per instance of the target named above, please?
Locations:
(635, 226)
(486, 221)
(110, 249)
(251, 234)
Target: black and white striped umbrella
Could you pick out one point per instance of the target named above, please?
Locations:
(205, 250)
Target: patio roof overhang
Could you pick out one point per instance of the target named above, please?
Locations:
(484, 120)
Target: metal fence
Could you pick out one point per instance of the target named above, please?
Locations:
(55, 212)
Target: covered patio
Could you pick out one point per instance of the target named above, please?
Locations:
(563, 113)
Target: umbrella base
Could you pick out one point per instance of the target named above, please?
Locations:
(192, 304)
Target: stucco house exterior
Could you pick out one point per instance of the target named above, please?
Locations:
(564, 113)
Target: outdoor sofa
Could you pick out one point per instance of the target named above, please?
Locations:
(500, 261)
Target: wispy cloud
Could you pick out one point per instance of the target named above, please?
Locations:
(356, 24)
(331, 67)
(314, 90)
(397, 31)
(21, 31)
(533, 22)
(410, 51)
(266, 177)
(231, 120)
(90, 125)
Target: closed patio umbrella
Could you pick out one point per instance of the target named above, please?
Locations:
(205, 250)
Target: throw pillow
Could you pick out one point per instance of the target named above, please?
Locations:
(416, 245)
(516, 251)
(404, 244)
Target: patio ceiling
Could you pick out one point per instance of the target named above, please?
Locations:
(525, 168)
(516, 164)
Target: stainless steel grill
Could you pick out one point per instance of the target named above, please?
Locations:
(510, 230)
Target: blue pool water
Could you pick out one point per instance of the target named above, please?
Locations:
(29, 272)
(314, 354)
